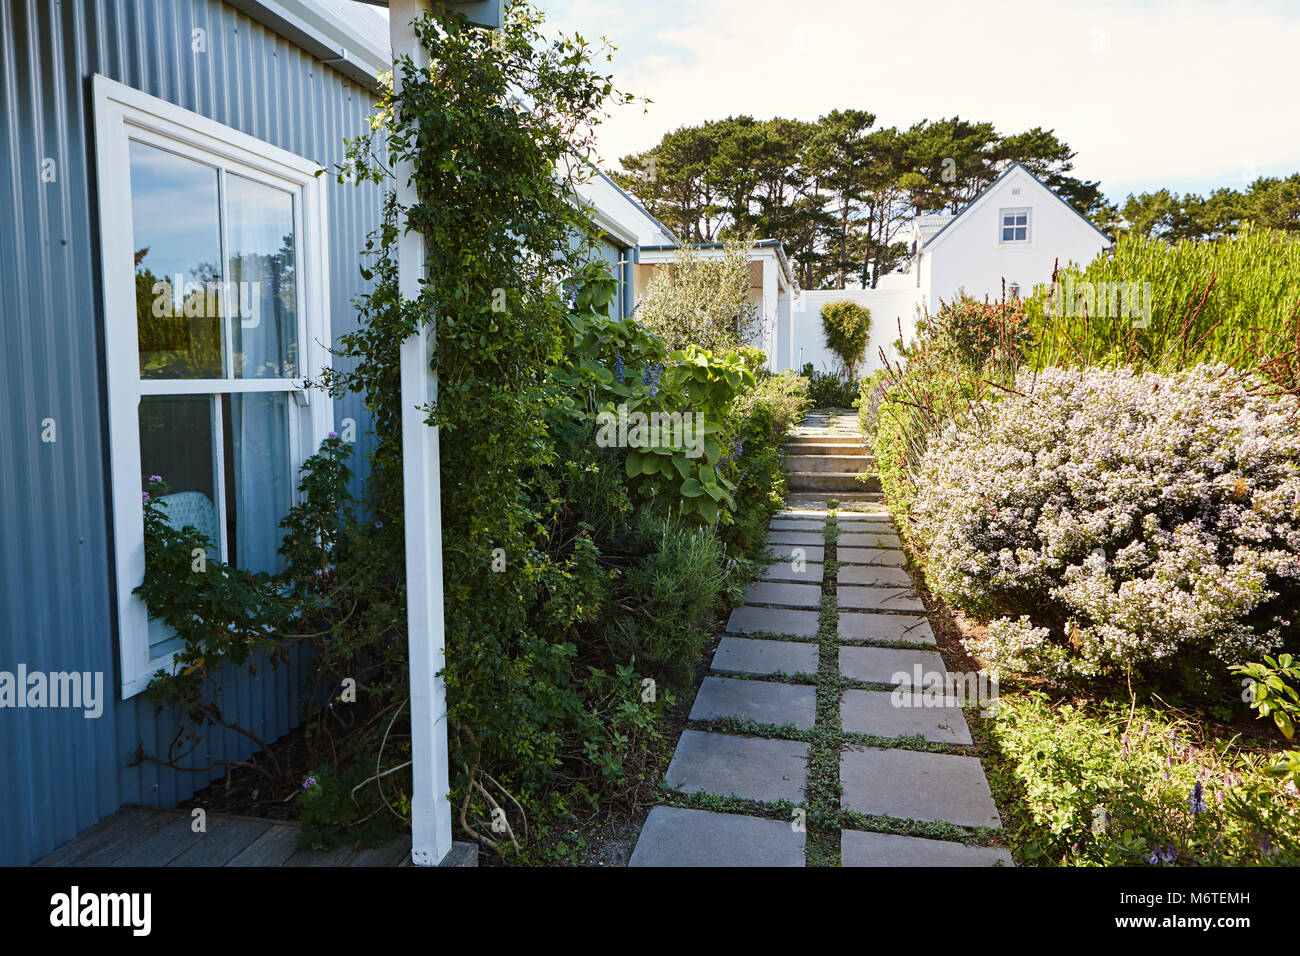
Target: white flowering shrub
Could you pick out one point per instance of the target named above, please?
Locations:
(1107, 521)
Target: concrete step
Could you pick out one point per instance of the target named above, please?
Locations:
(825, 448)
(824, 438)
(830, 481)
(824, 463)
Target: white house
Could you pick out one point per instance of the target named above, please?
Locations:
(1015, 231)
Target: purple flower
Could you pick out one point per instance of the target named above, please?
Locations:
(333, 434)
(1197, 800)
(309, 783)
(154, 479)
(1165, 854)
(144, 497)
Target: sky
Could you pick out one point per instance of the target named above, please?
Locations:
(1186, 95)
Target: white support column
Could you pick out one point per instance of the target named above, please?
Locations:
(770, 282)
(430, 809)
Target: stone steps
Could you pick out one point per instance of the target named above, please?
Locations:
(826, 460)
(808, 448)
(830, 481)
(828, 463)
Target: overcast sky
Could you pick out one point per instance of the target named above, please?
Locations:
(1189, 95)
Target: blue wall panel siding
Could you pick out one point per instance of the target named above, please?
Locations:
(60, 772)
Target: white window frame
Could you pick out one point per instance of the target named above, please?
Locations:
(122, 114)
(1029, 225)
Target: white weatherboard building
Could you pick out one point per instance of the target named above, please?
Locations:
(1015, 232)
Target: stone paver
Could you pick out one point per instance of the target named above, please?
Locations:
(748, 620)
(779, 592)
(673, 836)
(766, 702)
(863, 539)
(753, 768)
(746, 655)
(874, 575)
(884, 628)
(879, 599)
(865, 510)
(895, 782)
(785, 571)
(885, 713)
(879, 665)
(796, 537)
(891, 849)
(808, 552)
(914, 785)
(884, 556)
(877, 525)
(797, 524)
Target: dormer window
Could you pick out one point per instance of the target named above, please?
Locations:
(1014, 225)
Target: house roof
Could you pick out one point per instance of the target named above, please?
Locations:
(774, 244)
(650, 223)
(351, 37)
(989, 189)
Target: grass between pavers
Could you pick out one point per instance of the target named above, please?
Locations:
(827, 739)
(822, 847)
(747, 726)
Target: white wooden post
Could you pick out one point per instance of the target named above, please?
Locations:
(770, 318)
(421, 500)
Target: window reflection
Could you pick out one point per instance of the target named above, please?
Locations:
(264, 329)
(177, 229)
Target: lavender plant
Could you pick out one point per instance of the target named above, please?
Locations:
(1109, 522)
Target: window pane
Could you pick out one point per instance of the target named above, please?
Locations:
(1021, 233)
(1022, 219)
(258, 477)
(265, 320)
(175, 217)
(176, 445)
(1007, 234)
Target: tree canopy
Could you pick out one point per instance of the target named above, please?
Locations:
(841, 191)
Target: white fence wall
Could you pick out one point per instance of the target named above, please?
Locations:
(807, 341)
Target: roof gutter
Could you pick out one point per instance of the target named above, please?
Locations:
(310, 27)
(775, 244)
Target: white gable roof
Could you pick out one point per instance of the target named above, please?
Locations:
(620, 215)
(955, 222)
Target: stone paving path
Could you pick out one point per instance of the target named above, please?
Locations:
(903, 765)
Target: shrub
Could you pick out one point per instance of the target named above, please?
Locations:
(872, 391)
(1114, 785)
(828, 390)
(674, 590)
(785, 394)
(1118, 521)
(760, 482)
(969, 334)
(702, 302)
(847, 327)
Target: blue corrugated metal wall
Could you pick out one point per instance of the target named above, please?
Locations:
(60, 772)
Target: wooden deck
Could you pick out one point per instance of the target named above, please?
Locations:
(141, 836)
